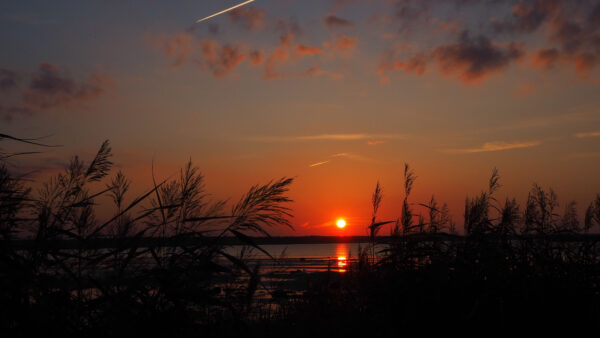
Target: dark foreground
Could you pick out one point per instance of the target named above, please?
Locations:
(160, 265)
(419, 283)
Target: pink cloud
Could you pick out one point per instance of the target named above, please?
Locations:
(221, 59)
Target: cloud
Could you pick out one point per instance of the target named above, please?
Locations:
(248, 17)
(329, 137)
(416, 64)
(221, 59)
(475, 57)
(178, 47)
(528, 16)
(578, 38)
(316, 71)
(209, 54)
(308, 50)
(374, 143)
(280, 54)
(342, 43)
(588, 134)
(471, 59)
(257, 57)
(348, 137)
(284, 53)
(8, 80)
(496, 146)
(51, 87)
(570, 34)
(351, 156)
(545, 58)
(332, 22)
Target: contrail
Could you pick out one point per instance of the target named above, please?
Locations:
(226, 10)
(318, 163)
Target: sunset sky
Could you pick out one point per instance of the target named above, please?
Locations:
(336, 93)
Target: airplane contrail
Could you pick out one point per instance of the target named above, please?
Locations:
(318, 163)
(226, 10)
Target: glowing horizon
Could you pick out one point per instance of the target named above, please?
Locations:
(337, 94)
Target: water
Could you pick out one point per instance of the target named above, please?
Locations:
(330, 250)
(303, 257)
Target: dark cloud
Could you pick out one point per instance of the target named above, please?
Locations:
(248, 17)
(579, 42)
(51, 87)
(528, 16)
(471, 59)
(569, 34)
(571, 27)
(332, 22)
(475, 57)
(8, 80)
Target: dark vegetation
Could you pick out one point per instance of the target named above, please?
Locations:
(167, 270)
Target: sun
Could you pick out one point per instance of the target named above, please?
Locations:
(340, 223)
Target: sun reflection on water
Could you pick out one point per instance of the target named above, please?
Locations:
(342, 254)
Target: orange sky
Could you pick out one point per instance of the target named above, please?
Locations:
(337, 94)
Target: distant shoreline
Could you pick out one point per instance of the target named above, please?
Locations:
(101, 243)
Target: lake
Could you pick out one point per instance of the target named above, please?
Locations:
(303, 257)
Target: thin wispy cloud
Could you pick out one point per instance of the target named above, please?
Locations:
(588, 134)
(351, 156)
(329, 137)
(495, 146)
(318, 164)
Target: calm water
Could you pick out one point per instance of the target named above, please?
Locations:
(305, 257)
(331, 250)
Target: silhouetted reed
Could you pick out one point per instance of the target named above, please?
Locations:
(512, 268)
(157, 266)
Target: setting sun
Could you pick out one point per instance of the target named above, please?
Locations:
(340, 223)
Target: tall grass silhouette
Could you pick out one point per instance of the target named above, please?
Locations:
(157, 266)
(512, 268)
(160, 264)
